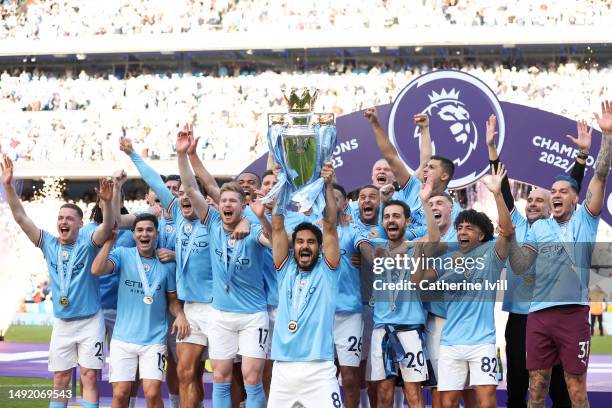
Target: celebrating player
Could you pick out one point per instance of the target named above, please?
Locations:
(239, 319)
(467, 346)
(78, 328)
(398, 319)
(517, 298)
(560, 294)
(303, 344)
(147, 290)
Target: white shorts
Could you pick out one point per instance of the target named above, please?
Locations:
(457, 364)
(413, 367)
(433, 332)
(198, 316)
(77, 342)
(247, 334)
(348, 331)
(368, 327)
(126, 358)
(304, 384)
(272, 310)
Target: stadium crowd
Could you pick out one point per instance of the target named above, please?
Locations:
(36, 19)
(79, 116)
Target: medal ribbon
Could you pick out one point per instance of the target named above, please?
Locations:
(194, 232)
(65, 274)
(298, 305)
(149, 289)
(402, 274)
(229, 269)
(567, 240)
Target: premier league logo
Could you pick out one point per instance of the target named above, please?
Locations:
(458, 106)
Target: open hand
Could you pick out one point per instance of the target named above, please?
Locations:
(105, 191)
(605, 121)
(583, 141)
(7, 170)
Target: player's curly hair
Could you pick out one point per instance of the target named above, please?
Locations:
(478, 219)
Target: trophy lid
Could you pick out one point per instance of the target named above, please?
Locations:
(303, 103)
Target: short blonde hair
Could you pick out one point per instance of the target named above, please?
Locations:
(234, 187)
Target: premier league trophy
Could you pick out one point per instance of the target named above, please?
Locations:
(301, 141)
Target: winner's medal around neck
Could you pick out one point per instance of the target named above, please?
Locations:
(292, 326)
(148, 288)
(64, 275)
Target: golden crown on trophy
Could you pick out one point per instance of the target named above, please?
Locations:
(303, 103)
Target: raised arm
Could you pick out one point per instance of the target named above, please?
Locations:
(150, 176)
(207, 180)
(387, 149)
(494, 182)
(583, 143)
(19, 214)
(280, 241)
(595, 194)
(433, 231)
(188, 181)
(101, 264)
(494, 161)
(109, 218)
(331, 247)
(124, 221)
(425, 147)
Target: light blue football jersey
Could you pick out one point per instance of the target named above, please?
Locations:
(470, 313)
(238, 277)
(109, 284)
(84, 290)
(435, 307)
(349, 277)
(194, 273)
(138, 322)
(408, 309)
(563, 262)
(517, 298)
(310, 299)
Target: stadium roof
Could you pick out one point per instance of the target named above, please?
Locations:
(275, 40)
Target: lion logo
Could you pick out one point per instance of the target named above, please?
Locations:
(462, 135)
(458, 105)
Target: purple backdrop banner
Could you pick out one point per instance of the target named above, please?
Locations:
(531, 142)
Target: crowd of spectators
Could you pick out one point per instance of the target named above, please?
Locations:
(36, 19)
(79, 116)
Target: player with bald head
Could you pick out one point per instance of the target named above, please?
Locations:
(561, 249)
(520, 288)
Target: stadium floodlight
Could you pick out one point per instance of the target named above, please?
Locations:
(374, 50)
(81, 56)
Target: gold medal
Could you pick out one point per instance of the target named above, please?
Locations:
(64, 300)
(371, 302)
(188, 228)
(146, 267)
(393, 307)
(292, 326)
(148, 300)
